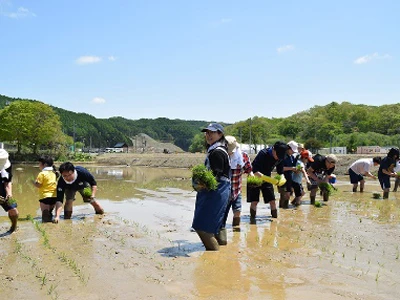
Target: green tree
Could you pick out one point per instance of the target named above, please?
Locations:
(31, 124)
(198, 143)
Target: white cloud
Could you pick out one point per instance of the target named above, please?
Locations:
(84, 60)
(98, 100)
(285, 48)
(21, 12)
(367, 58)
(112, 58)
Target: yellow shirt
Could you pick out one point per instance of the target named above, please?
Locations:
(48, 181)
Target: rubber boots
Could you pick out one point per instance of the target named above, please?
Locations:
(46, 216)
(97, 208)
(312, 200)
(396, 185)
(14, 220)
(235, 221)
(325, 196)
(253, 213)
(209, 240)
(67, 214)
(222, 237)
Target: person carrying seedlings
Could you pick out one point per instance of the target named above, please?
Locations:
(46, 182)
(264, 162)
(76, 179)
(289, 165)
(6, 201)
(210, 204)
(318, 173)
(298, 175)
(240, 164)
(386, 170)
(361, 168)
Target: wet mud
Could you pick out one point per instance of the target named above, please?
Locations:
(143, 248)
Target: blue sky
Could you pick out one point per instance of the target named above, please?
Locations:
(199, 60)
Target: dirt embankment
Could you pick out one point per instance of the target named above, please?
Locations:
(188, 160)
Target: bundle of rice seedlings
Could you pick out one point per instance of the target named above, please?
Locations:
(87, 192)
(254, 181)
(203, 178)
(9, 201)
(298, 167)
(278, 177)
(376, 195)
(324, 186)
(317, 204)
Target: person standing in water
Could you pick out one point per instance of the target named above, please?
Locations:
(6, 190)
(76, 179)
(46, 182)
(211, 204)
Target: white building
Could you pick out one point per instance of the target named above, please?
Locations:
(372, 150)
(246, 148)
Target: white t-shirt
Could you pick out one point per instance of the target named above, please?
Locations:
(397, 167)
(362, 166)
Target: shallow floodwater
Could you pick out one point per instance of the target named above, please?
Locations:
(143, 247)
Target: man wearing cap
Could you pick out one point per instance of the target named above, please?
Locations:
(211, 205)
(289, 165)
(6, 190)
(240, 163)
(265, 161)
(319, 172)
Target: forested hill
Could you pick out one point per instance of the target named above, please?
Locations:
(336, 124)
(108, 132)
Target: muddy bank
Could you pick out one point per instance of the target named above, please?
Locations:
(188, 160)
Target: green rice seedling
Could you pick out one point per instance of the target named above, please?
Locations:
(278, 177)
(376, 195)
(324, 186)
(298, 167)
(202, 178)
(87, 192)
(254, 181)
(317, 204)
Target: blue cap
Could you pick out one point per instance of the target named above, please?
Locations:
(214, 127)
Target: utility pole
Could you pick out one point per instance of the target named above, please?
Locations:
(250, 136)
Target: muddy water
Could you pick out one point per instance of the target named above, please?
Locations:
(143, 247)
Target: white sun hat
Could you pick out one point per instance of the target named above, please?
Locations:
(293, 145)
(4, 162)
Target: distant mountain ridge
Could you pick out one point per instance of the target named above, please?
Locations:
(332, 125)
(101, 133)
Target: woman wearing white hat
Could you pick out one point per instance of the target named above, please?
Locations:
(6, 190)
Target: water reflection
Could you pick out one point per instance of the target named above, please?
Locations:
(114, 183)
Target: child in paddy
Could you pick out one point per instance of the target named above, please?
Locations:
(46, 182)
(298, 175)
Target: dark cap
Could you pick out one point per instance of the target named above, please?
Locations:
(214, 127)
(280, 149)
